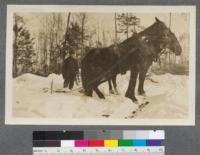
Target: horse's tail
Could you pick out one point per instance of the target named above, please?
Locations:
(85, 76)
(84, 73)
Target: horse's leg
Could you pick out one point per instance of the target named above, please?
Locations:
(114, 81)
(98, 92)
(89, 90)
(130, 93)
(142, 75)
(110, 86)
(65, 83)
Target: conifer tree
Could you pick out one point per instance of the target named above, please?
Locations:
(127, 22)
(23, 48)
(73, 38)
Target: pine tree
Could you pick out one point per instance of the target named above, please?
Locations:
(127, 23)
(23, 50)
(73, 38)
(82, 17)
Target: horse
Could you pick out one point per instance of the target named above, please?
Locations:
(103, 64)
(164, 40)
(135, 54)
(167, 41)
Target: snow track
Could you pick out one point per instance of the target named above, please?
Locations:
(166, 99)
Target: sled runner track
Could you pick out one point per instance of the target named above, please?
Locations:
(76, 92)
(140, 108)
(81, 88)
(70, 93)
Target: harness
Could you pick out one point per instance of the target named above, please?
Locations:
(162, 50)
(156, 58)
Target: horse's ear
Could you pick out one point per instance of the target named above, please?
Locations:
(157, 20)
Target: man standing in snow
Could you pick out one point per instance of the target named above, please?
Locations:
(69, 70)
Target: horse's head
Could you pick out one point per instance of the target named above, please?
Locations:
(167, 38)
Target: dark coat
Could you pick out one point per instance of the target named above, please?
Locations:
(97, 65)
(101, 64)
(70, 67)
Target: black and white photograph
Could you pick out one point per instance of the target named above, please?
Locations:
(100, 65)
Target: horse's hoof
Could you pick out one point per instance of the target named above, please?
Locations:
(87, 94)
(142, 93)
(135, 101)
(82, 91)
(111, 91)
(102, 97)
(116, 92)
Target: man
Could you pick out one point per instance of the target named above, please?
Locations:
(69, 70)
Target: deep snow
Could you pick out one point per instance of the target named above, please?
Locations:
(32, 98)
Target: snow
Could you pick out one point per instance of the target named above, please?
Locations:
(32, 98)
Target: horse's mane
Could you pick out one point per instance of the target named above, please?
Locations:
(130, 41)
(124, 42)
(150, 30)
(154, 29)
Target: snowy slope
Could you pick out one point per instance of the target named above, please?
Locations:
(33, 98)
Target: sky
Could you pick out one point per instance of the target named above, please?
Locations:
(105, 22)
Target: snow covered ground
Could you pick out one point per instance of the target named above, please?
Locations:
(32, 98)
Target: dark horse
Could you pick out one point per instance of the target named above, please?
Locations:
(135, 54)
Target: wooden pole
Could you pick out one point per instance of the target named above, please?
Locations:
(52, 86)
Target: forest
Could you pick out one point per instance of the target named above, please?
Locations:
(40, 48)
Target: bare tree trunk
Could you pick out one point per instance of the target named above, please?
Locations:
(104, 38)
(59, 32)
(14, 53)
(37, 53)
(66, 32)
(169, 60)
(68, 21)
(52, 42)
(127, 28)
(115, 28)
(134, 28)
(98, 39)
(45, 47)
(45, 55)
(170, 18)
(82, 35)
